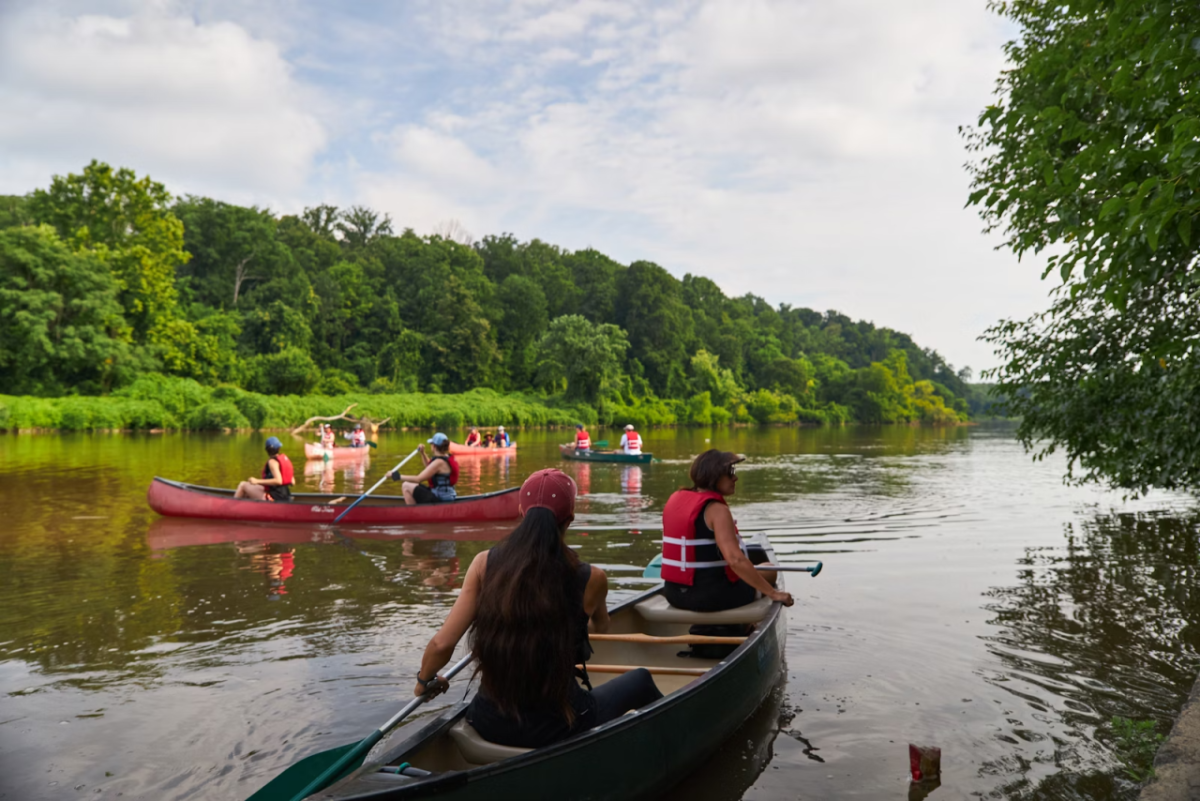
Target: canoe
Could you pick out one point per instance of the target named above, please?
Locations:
(176, 499)
(638, 755)
(472, 450)
(313, 450)
(168, 533)
(569, 452)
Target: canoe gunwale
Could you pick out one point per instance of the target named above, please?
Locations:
(584, 740)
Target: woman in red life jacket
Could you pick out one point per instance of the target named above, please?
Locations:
(277, 477)
(472, 438)
(582, 441)
(358, 437)
(440, 473)
(529, 604)
(704, 562)
(630, 441)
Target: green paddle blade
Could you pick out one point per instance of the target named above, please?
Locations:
(654, 569)
(372, 444)
(601, 444)
(292, 781)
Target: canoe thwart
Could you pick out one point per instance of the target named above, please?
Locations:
(660, 671)
(680, 639)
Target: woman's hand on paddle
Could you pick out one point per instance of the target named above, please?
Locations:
(436, 687)
(784, 598)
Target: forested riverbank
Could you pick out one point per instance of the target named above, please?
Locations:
(124, 307)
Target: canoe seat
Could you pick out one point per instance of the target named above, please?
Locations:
(477, 750)
(657, 610)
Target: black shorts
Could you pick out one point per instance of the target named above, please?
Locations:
(423, 494)
(709, 596)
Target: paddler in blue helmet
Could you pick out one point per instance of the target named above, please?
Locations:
(439, 476)
(277, 477)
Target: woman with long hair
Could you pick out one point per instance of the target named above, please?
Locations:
(704, 563)
(530, 603)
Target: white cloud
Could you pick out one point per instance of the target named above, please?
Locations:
(204, 107)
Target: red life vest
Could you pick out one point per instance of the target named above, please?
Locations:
(286, 473)
(632, 441)
(473, 438)
(358, 438)
(582, 440)
(328, 439)
(682, 553)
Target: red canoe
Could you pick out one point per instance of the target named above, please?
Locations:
(474, 450)
(313, 450)
(176, 499)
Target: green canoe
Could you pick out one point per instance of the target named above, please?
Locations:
(569, 452)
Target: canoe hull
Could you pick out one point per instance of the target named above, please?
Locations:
(636, 756)
(314, 451)
(175, 499)
(464, 450)
(569, 452)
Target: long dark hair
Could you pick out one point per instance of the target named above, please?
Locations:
(526, 619)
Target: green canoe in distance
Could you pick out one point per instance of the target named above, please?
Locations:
(569, 452)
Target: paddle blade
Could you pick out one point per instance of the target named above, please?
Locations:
(654, 569)
(372, 444)
(601, 444)
(292, 781)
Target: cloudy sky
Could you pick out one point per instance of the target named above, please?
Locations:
(806, 151)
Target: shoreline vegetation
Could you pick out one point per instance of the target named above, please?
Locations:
(123, 307)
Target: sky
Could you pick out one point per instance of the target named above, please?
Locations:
(805, 151)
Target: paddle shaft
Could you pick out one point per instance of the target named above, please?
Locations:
(354, 756)
(346, 511)
(815, 569)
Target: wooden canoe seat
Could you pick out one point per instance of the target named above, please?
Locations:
(477, 750)
(657, 610)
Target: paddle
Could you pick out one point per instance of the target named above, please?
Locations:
(316, 772)
(654, 569)
(372, 489)
(601, 444)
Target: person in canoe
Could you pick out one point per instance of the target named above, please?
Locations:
(277, 477)
(328, 439)
(704, 562)
(582, 441)
(488, 440)
(439, 476)
(529, 604)
(630, 441)
(473, 439)
(502, 440)
(357, 437)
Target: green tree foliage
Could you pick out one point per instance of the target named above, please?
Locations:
(333, 302)
(585, 356)
(1091, 150)
(61, 329)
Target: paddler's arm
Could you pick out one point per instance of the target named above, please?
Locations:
(276, 479)
(431, 470)
(462, 615)
(595, 597)
(720, 519)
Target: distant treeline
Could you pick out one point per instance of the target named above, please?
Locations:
(109, 285)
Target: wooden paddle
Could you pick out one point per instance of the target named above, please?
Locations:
(314, 773)
(377, 483)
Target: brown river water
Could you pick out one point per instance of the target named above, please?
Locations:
(969, 600)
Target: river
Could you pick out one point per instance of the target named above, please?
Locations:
(968, 600)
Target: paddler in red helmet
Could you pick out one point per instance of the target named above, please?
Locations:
(277, 477)
(704, 562)
(440, 475)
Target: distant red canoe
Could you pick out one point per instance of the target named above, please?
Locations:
(176, 499)
(472, 450)
(313, 450)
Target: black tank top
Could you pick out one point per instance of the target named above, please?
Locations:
(542, 727)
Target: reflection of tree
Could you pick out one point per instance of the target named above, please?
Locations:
(1108, 627)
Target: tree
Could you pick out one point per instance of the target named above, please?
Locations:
(587, 356)
(659, 325)
(523, 322)
(360, 226)
(230, 246)
(126, 221)
(1092, 150)
(61, 328)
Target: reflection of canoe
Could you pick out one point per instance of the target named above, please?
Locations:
(465, 450)
(313, 450)
(705, 701)
(569, 452)
(177, 532)
(175, 499)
